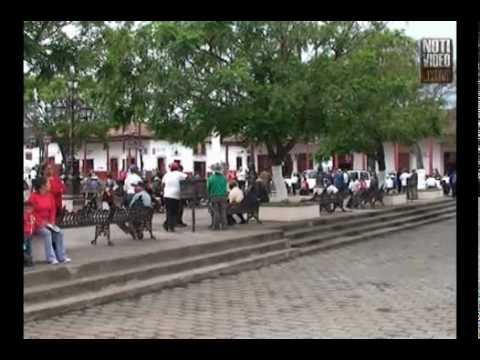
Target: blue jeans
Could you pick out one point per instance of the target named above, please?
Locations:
(50, 238)
(27, 241)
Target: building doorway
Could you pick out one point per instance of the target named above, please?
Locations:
(302, 163)
(239, 163)
(161, 165)
(403, 161)
(200, 169)
(264, 163)
(114, 167)
(345, 161)
(287, 167)
(450, 161)
(88, 166)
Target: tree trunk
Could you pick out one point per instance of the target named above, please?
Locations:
(279, 183)
(380, 157)
(63, 151)
(418, 155)
(420, 167)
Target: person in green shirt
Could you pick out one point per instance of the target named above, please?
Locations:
(217, 193)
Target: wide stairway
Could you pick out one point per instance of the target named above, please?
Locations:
(54, 290)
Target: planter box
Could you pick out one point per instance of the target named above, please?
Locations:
(395, 200)
(430, 195)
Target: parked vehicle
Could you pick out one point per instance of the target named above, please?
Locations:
(311, 178)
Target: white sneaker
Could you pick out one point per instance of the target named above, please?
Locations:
(67, 260)
(53, 262)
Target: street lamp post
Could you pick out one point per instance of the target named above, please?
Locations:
(72, 109)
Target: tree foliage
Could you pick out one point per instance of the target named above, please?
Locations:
(378, 98)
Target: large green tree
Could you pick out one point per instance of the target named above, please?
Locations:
(54, 56)
(264, 82)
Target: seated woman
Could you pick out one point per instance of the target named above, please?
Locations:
(44, 210)
(304, 190)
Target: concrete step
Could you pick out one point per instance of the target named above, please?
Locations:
(321, 220)
(136, 288)
(380, 217)
(368, 227)
(62, 273)
(62, 289)
(350, 240)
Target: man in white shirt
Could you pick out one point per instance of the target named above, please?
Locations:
(431, 183)
(130, 181)
(389, 184)
(171, 194)
(332, 189)
(403, 178)
(242, 177)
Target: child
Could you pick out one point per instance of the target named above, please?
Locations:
(28, 224)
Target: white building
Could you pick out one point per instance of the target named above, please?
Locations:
(136, 144)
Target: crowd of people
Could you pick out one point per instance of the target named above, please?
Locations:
(44, 188)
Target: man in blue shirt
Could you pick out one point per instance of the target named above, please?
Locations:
(141, 196)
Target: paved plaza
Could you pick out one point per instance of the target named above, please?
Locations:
(400, 286)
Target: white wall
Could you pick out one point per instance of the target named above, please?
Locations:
(53, 150)
(160, 148)
(389, 149)
(358, 161)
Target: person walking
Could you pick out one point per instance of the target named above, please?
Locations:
(44, 210)
(181, 204)
(217, 193)
(453, 182)
(414, 185)
(295, 186)
(55, 187)
(242, 177)
(171, 193)
(403, 179)
(339, 180)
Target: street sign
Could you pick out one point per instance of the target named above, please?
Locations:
(436, 60)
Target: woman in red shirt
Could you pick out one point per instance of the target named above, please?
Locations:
(44, 210)
(55, 187)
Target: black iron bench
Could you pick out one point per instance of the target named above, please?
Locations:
(329, 202)
(244, 207)
(139, 218)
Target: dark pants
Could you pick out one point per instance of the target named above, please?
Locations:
(231, 219)
(454, 190)
(27, 254)
(171, 206)
(181, 205)
(219, 207)
(241, 184)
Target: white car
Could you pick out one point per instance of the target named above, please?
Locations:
(311, 179)
(360, 174)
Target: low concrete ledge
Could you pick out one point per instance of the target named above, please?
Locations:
(430, 194)
(392, 200)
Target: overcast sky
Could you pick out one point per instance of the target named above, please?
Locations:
(421, 29)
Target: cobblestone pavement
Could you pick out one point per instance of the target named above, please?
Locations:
(400, 286)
